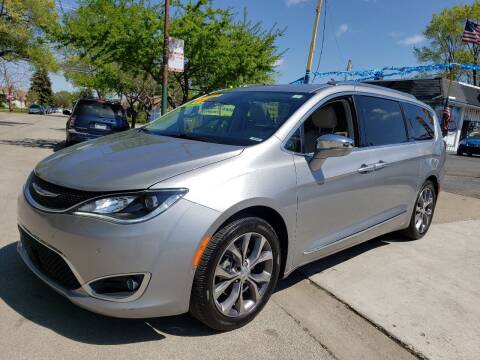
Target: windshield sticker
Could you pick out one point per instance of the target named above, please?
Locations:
(206, 97)
(256, 139)
(297, 96)
(201, 100)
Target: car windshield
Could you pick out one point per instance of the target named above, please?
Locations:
(99, 109)
(232, 117)
(474, 135)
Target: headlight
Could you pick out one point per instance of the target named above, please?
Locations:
(131, 207)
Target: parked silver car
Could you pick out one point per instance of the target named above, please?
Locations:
(205, 208)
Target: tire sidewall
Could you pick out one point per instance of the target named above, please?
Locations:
(224, 239)
(413, 229)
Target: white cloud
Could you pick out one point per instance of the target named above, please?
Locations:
(342, 29)
(395, 34)
(294, 2)
(279, 62)
(412, 40)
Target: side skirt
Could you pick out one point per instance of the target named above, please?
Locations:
(393, 224)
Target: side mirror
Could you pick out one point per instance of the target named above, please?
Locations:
(444, 132)
(67, 112)
(332, 145)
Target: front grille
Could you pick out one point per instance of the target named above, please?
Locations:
(49, 262)
(65, 198)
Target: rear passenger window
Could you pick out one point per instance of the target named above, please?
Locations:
(420, 122)
(382, 121)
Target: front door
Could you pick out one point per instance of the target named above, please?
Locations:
(334, 201)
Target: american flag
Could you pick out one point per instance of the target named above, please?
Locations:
(471, 33)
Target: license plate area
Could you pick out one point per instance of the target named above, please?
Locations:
(98, 126)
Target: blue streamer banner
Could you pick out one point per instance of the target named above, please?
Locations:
(380, 73)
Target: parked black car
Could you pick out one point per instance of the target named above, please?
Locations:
(92, 118)
(36, 109)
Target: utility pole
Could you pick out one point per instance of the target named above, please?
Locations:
(165, 59)
(313, 43)
(349, 68)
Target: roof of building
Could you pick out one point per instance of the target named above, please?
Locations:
(435, 89)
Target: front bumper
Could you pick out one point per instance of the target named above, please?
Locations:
(162, 247)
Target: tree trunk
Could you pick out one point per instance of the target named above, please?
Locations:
(134, 118)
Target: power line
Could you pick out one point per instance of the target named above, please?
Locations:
(323, 40)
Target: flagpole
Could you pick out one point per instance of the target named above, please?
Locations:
(446, 114)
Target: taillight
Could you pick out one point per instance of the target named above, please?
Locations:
(71, 122)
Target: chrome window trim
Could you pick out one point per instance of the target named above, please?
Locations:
(305, 116)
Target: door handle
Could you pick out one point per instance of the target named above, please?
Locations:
(366, 168)
(380, 165)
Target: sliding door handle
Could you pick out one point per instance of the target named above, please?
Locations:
(364, 169)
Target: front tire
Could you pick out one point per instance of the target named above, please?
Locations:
(236, 275)
(423, 212)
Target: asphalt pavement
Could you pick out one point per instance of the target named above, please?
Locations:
(462, 175)
(342, 307)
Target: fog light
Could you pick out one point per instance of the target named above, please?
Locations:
(117, 286)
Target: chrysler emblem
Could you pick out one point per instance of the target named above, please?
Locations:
(43, 192)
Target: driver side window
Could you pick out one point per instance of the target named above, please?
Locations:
(335, 117)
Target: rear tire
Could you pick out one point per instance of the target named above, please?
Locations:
(423, 212)
(234, 281)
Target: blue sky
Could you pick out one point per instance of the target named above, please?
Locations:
(373, 33)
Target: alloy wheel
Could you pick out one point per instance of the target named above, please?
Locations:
(242, 274)
(424, 210)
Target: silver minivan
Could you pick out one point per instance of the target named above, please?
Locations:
(205, 208)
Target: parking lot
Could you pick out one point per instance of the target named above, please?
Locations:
(385, 299)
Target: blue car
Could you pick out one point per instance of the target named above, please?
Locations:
(37, 109)
(470, 144)
(92, 118)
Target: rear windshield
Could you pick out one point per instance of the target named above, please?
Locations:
(35, 106)
(99, 109)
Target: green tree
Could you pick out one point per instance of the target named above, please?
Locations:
(41, 87)
(24, 29)
(63, 99)
(127, 35)
(220, 51)
(84, 93)
(444, 33)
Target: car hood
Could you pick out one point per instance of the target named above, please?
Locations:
(131, 160)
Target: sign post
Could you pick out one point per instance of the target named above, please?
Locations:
(165, 59)
(10, 98)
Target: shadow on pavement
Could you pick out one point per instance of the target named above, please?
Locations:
(55, 145)
(33, 300)
(11, 123)
(338, 258)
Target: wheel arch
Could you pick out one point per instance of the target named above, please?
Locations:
(270, 215)
(436, 184)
